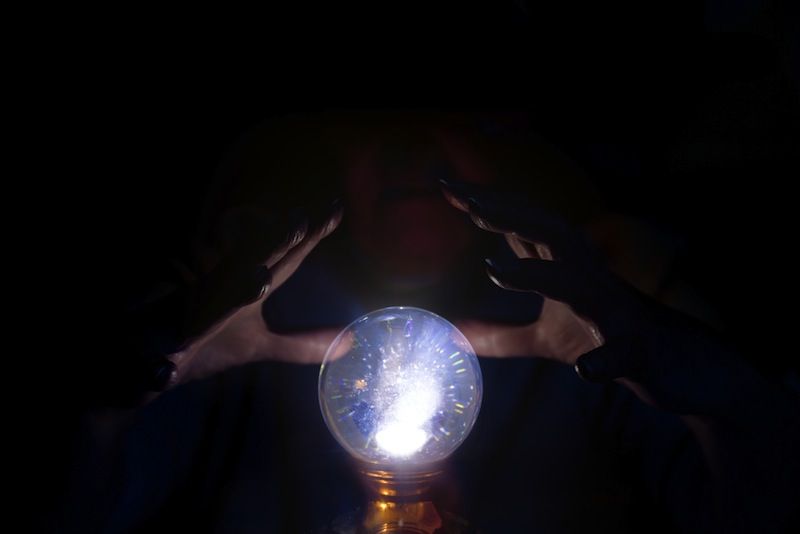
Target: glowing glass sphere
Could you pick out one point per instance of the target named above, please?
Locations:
(400, 386)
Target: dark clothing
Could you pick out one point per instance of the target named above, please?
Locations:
(248, 450)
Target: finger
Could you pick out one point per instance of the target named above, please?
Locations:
(453, 198)
(590, 298)
(234, 284)
(526, 223)
(331, 218)
(458, 193)
(250, 236)
(288, 264)
(156, 373)
(221, 293)
(509, 214)
(548, 278)
(497, 208)
(241, 278)
(293, 237)
(605, 363)
(524, 249)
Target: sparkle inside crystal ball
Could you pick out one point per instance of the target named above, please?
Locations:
(400, 386)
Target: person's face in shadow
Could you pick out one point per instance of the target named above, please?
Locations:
(395, 208)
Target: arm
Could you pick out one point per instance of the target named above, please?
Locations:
(194, 332)
(214, 322)
(746, 426)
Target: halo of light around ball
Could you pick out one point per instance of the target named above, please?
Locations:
(400, 386)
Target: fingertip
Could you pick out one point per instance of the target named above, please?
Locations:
(477, 214)
(479, 221)
(499, 283)
(587, 371)
(335, 218)
(505, 264)
(602, 364)
(165, 375)
(298, 232)
(492, 266)
(451, 197)
(493, 273)
(262, 279)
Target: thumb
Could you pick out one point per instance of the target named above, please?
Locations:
(607, 362)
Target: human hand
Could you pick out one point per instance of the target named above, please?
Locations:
(216, 323)
(592, 319)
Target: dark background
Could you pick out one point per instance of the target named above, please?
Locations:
(685, 114)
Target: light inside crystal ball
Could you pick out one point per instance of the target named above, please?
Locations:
(400, 386)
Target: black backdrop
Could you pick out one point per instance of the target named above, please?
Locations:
(684, 114)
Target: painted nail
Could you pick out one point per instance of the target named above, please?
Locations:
(164, 376)
(585, 370)
(262, 279)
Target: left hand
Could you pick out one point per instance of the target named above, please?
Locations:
(556, 263)
(594, 320)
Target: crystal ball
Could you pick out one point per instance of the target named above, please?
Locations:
(400, 386)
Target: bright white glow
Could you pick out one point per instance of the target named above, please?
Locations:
(417, 401)
(400, 440)
(400, 387)
(401, 432)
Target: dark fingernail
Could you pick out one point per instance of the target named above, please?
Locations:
(475, 210)
(495, 267)
(164, 376)
(337, 212)
(501, 264)
(493, 273)
(587, 371)
(299, 232)
(296, 220)
(262, 279)
(332, 225)
(452, 196)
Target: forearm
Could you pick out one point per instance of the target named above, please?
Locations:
(747, 427)
(753, 462)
